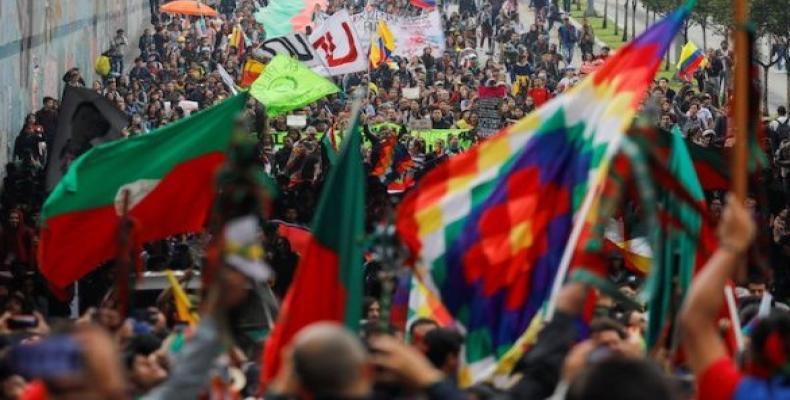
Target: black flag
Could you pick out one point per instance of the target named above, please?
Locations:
(86, 119)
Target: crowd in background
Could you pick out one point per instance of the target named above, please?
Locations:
(490, 45)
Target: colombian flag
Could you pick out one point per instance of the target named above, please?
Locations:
(424, 4)
(381, 48)
(251, 71)
(691, 58)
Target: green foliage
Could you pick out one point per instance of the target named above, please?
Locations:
(769, 17)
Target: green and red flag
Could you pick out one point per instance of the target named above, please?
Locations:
(685, 240)
(169, 175)
(328, 281)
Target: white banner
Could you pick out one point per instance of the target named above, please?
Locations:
(295, 45)
(337, 44)
(412, 34)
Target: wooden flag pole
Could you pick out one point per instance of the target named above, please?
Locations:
(740, 99)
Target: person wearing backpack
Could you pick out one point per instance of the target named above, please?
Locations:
(779, 129)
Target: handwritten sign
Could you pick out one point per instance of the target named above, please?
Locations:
(490, 119)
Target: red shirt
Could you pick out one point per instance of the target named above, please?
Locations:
(719, 380)
(539, 95)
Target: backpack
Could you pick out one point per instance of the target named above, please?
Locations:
(783, 129)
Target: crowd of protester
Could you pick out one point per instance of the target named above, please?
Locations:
(490, 46)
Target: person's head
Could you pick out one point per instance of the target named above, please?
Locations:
(566, 20)
(454, 142)
(143, 363)
(607, 332)
(49, 103)
(418, 329)
(371, 310)
(770, 343)
(436, 115)
(30, 119)
(443, 348)
(693, 109)
(635, 320)
(782, 111)
(15, 218)
(757, 286)
(716, 208)
(330, 362)
(666, 121)
(620, 378)
(291, 215)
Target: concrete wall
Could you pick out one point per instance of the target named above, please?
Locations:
(41, 39)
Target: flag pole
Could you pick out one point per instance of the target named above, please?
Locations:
(740, 99)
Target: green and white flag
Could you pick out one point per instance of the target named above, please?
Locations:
(287, 85)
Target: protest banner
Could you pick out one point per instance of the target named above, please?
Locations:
(296, 45)
(490, 119)
(420, 124)
(336, 42)
(432, 135)
(414, 34)
(411, 93)
(296, 121)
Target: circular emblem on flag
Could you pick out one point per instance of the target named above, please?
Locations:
(283, 84)
(137, 192)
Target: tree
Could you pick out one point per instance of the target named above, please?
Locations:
(590, 11)
(769, 20)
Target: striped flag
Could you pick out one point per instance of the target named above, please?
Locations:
(691, 58)
(492, 225)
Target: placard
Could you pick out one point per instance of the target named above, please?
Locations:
(490, 119)
(411, 93)
(296, 121)
(420, 124)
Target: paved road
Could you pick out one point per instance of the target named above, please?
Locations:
(777, 80)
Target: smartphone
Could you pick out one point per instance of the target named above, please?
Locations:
(19, 322)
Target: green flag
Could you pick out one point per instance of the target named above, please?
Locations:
(286, 85)
(328, 148)
(681, 250)
(327, 285)
(169, 177)
(277, 18)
